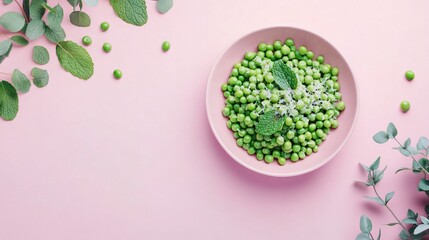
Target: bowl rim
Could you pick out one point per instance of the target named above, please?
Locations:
(297, 173)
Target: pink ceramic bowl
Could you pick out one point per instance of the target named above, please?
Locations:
(215, 101)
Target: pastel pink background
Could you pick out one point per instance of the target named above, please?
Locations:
(136, 159)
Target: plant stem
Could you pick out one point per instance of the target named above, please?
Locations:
(372, 237)
(22, 11)
(411, 155)
(393, 214)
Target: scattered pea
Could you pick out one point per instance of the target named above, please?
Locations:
(409, 75)
(86, 40)
(165, 46)
(107, 47)
(104, 26)
(118, 75)
(405, 106)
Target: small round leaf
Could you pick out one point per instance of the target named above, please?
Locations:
(40, 77)
(35, 29)
(12, 21)
(20, 81)
(163, 6)
(80, 19)
(20, 40)
(40, 55)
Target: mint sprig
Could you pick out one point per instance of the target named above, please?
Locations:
(269, 123)
(284, 76)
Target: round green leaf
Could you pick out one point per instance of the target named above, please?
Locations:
(131, 11)
(37, 10)
(55, 16)
(163, 6)
(40, 77)
(8, 101)
(5, 46)
(20, 40)
(20, 81)
(91, 3)
(6, 2)
(40, 55)
(80, 19)
(75, 59)
(365, 224)
(35, 29)
(55, 33)
(12, 21)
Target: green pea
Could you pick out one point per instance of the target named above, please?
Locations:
(340, 106)
(276, 154)
(334, 71)
(296, 148)
(405, 106)
(165, 46)
(104, 26)
(289, 42)
(269, 158)
(240, 142)
(278, 54)
(117, 74)
(320, 59)
(280, 140)
(86, 40)
(281, 161)
(277, 45)
(285, 50)
(250, 56)
(310, 55)
(247, 139)
(409, 75)
(294, 157)
(269, 54)
(302, 50)
(107, 47)
(262, 47)
(259, 156)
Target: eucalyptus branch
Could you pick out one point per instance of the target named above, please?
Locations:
(411, 155)
(22, 11)
(372, 237)
(393, 214)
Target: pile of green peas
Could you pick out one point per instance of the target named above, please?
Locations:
(309, 112)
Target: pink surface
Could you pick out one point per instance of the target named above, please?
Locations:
(136, 159)
(215, 100)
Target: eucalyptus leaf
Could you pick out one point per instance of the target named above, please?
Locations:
(73, 3)
(5, 46)
(381, 137)
(163, 6)
(55, 33)
(40, 77)
(131, 11)
(55, 16)
(6, 2)
(404, 152)
(409, 221)
(35, 29)
(424, 220)
(91, 3)
(388, 197)
(392, 131)
(378, 175)
(365, 224)
(80, 19)
(407, 143)
(363, 236)
(423, 143)
(367, 169)
(20, 81)
(376, 199)
(375, 165)
(40, 55)
(421, 228)
(413, 150)
(392, 224)
(37, 9)
(424, 185)
(9, 103)
(12, 21)
(403, 235)
(20, 40)
(411, 214)
(403, 169)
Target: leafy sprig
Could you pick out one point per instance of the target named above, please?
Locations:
(412, 226)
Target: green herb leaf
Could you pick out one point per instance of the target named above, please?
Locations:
(20, 40)
(26, 7)
(20, 81)
(367, 169)
(403, 235)
(378, 175)
(80, 19)
(365, 224)
(269, 123)
(392, 131)
(375, 165)
(55, 33)
(35, 29)
(40, 55)
(284, 76)
(8, 101)
(424, 220)
(131, 11)
(6, 2)
(407, 143)
(163, 6)
(388, 197)
(73, 3)
(411, 214)
(12, 21)
(392, 224)
(376, 199)
(421, 228)
(75, 59)
(381, 137)
(55, 16)
(36, 9)
(423, 143)
(363, 236)
(409, 221)
(40, 77)
(5, 46)
(424, 185)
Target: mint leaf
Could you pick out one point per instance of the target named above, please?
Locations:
(12, 21)
(40, 55)
(55, 16)
(35, 29)
(20, 40)
(36, 9)
(20, 81)
(75, 59)
(131, 11)
(269, 123)
(284, 76)
(40, 77)
(163, 6)
(55, 33)
(80, 19)
(8, 101)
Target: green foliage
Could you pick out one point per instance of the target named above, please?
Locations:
(40, 55)
(12, 21)
(284, 76)
(75, 59)
(366, 228)
(20, 40)
(8, 101)
(163, 6)
(40, 77)
(35, 29)
(80, 19)
(269, 123)
(131, 11)
(20, 81)
(37, 9)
